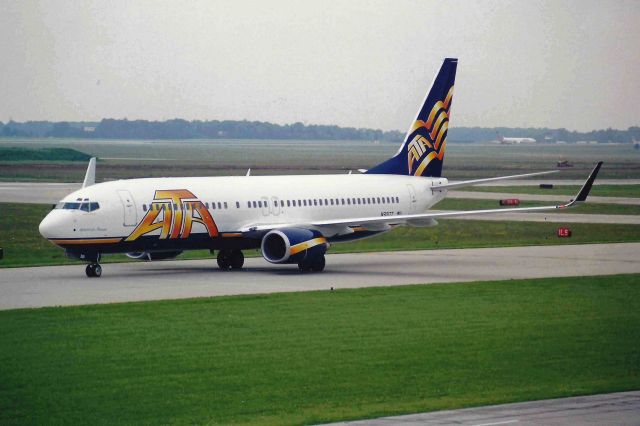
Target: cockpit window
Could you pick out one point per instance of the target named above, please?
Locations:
(71, 206)
(85, 206)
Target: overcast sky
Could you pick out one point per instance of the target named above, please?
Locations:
(573, 64)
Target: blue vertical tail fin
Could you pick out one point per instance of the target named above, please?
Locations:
(422, 151)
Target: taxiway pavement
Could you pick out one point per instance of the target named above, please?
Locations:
(139, 281)
(622, 408)
(539, 197)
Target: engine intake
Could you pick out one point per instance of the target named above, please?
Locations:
(293, 245)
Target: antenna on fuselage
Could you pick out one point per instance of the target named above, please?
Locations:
(90, 176)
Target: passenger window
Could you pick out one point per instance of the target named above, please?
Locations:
(349, 201)
(249, 204)
(237, 204)
(144, 207)
(320, 201)
(219, 205)
(255, 205)
(225, 205)
(332, 201)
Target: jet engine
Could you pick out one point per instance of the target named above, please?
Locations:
(293, 245)
(155, 255)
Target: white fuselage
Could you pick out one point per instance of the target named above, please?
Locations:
(236, 203)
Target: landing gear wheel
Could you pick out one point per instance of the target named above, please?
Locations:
(224, 259)
(304, 266)
(317, 264)
(93, 270)
(236, 259)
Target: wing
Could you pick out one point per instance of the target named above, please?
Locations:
(477, 181)
(384, 222)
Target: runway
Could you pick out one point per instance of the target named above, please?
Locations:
(138, 281)
(622, 408)
(553, 217)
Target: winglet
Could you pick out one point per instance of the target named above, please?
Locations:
(586, 188)
(90, 176)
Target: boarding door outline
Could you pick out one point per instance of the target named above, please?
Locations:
(413, 201)
(130, 217)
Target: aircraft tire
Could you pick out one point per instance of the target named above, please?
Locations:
(224, 260)
(317, 264)
(236, 259)
(304, 267)
(93, 270)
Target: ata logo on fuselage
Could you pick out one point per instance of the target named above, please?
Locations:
(174, 211)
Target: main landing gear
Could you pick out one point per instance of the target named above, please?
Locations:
(233, 259)
(315, 264)
(94, 270)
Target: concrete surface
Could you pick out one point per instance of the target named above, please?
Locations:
(621, 408)
(137, 281)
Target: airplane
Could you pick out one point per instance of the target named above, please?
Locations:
(291, 219)
(514, 141)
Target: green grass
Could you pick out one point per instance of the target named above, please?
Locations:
(41, 154)
(23, 245)
(587, 208)
(598, 190)
(298, 358)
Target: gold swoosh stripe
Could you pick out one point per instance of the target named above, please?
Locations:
(305, 245)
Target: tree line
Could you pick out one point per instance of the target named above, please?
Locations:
(233, 129)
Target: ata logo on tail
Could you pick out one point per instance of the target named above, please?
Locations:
(174, 211)
(430, 140)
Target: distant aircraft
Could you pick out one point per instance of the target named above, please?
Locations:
(514, 141)
(292, 219)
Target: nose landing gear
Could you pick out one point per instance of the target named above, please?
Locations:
(93, 270)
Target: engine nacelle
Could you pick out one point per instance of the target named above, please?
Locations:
(155, 255)
(293, 245)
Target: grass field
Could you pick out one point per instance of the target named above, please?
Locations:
(41, 154)
(632, 191)
(23, 245)
(587, 208)
(299, 358)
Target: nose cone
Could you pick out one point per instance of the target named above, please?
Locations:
(50, 226)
